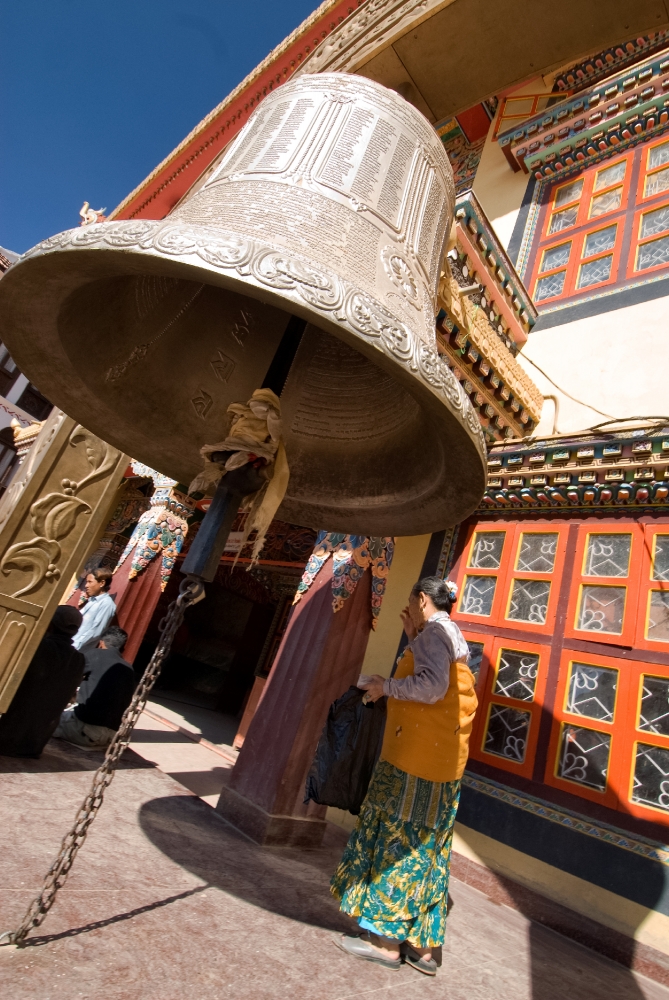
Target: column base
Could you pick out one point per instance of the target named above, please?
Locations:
(268, 829)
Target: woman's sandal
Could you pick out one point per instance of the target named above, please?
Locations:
(427, 966)
(358, 947)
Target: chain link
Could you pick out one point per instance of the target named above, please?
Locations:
(190, 591)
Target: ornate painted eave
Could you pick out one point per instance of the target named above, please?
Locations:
(589, 71)
(172, 178)
(485, 317)
(505, 289)
(573, 473)
(624, 109)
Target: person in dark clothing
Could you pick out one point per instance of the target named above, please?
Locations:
(104, 694)
(48, 685)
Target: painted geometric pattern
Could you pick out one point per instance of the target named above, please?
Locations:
(602, 609)
(603, 239)
(635, 844)
(661, 558)
(537, 552)
(507, 732)
(655, 222)
(584, 756)
(657, 183)
(592, 691)
(549, 286)
(653, 253)
(608, 555)
(658, 616)
(556, 257)
(477, 595)
(463, 155)
(654, 711)
(595, 271)
(651, 776)
(487, 550)
(529, 601)
(516, 675)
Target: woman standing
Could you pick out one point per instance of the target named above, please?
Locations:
(393, 877)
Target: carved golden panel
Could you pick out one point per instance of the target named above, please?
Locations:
(50, 518)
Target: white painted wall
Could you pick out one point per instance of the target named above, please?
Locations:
(499, 191)
(616, 362)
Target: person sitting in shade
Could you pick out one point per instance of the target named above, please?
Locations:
(99, 608)
(104, 694)
(47, 687)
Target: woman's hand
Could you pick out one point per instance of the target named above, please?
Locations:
(373, 686)
(409, 628)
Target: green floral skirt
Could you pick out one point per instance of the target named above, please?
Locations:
(393, 877)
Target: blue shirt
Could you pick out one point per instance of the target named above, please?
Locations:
(97, 614)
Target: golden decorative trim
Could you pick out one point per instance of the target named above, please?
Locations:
(473, 321)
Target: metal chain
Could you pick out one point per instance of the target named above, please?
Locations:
(189, 592)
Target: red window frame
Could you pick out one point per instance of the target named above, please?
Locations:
(646, 586)
(623, 728)
(512, 573)
(647, 171)
(638, 240)
(488, 698)
(465, 570)
(629, 582)
(507, 573)
(577, 233)
(589, 177)
(631, 736)
(611, 795)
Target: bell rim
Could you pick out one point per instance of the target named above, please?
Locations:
(417, 367)
(246, 259)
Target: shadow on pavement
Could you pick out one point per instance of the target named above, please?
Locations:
(291, 882)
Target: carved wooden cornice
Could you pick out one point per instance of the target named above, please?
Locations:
(573, 473)
(507, 402)
(374, 26)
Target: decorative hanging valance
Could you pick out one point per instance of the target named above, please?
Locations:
(351, 556)
(160, 531)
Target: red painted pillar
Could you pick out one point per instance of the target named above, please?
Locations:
(319, 658)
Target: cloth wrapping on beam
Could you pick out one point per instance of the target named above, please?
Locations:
(255, 432)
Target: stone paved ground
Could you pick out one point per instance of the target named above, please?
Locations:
(166, 901)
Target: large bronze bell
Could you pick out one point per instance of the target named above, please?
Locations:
(333, 204)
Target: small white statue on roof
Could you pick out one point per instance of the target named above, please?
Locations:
(90, 215)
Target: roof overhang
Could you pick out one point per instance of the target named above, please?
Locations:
(443, 55)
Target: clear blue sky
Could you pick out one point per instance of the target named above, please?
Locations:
(96, 92)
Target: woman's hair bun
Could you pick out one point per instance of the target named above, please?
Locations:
(442, 593)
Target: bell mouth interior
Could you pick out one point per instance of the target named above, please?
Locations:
(150, 360)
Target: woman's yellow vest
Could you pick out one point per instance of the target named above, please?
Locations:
(431, 741)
